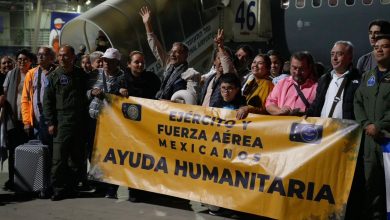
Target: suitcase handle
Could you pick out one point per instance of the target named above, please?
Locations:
(34, 142)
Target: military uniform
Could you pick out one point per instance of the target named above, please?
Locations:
(65, 106)
(372, 106)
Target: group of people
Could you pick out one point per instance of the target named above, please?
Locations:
(56, 99)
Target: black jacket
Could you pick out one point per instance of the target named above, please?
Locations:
(353, 81)
(216, 96)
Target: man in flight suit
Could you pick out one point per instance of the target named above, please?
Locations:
(372, 111)
(66, 110)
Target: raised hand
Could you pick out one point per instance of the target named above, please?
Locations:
(145, 14)
(219, 38)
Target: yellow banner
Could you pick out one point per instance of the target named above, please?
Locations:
(279, 167)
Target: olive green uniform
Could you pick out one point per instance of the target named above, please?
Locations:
(372, 106)
(65, 106)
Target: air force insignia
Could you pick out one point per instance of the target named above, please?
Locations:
(132, 111)
(371, 81)
(64, 80)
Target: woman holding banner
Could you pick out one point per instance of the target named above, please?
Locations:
(257, 87)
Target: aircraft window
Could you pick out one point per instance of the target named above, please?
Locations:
(300, 3)
(367, 2)
(316, 3)
(284, 4)
(190, 17)
(350, 2)
(385, 2)
(333, 2)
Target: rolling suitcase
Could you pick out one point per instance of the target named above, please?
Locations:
(32, 168)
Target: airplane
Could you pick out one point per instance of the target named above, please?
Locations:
(284, 25)
(314, 25)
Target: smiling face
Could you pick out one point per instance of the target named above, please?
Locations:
(341, 58)
(259, 68)
(97, 63)
(382, 52)
(177, 55)
(23, 62)
(6, 65)
(137, 63)
(86, 64)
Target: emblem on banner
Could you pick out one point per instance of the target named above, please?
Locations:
(131, 111)
(306, 133)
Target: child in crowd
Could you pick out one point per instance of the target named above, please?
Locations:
(230, 92)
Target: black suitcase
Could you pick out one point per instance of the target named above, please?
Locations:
(32, 168)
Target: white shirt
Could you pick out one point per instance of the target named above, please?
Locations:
(54, 34)
(44, 81)
(333, 88)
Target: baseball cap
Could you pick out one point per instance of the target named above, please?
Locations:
(112, 53)
(59, 21)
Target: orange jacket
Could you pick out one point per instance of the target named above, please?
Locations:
(27, 98)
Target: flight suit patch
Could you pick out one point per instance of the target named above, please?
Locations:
(64, 80)
(371, 81)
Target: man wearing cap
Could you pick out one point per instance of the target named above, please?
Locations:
(106, 81)
(372, 111)
(108, 74)
(65, 107)
(54, 37)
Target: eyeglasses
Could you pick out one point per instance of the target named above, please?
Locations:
(383, 46)
(227, 89)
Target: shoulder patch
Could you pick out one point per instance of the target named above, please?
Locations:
(371, 81)
(64, 80)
